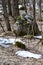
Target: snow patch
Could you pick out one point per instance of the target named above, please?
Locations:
(36, 6)
(0, 11)
(28, 54)
(38, 37)
(20, 6)
(6, 42)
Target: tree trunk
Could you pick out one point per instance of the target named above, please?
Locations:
(25, 6)
(6, 15)
(9, 7)
(15, 8)
(34, 17)
(40, 9)
(35, 26)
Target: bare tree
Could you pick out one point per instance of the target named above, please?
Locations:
(40, 9)
(15, 10)
(9, 7)
(25, 6)
(34, 11)
(6, 15)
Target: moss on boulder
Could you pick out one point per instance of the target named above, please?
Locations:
(25, 25)
(20, 45)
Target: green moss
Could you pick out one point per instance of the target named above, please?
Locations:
(19, 18)
(20, 45)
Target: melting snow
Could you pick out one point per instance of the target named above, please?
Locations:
(38, 37)
(37, 6)
(28, 54)
(20, 6)
(0, 11)
(6, 42)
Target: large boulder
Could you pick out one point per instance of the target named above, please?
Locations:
(24, 25)
(20, 27)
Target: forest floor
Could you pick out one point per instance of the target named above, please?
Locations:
(8, 56)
